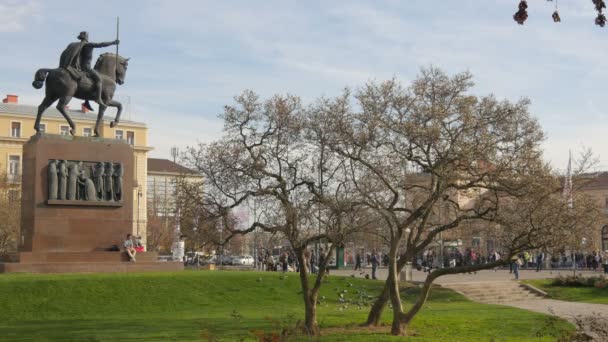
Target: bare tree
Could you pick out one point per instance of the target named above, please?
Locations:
(10, 204)
(414, 152)
(159, 230)
(272, 152)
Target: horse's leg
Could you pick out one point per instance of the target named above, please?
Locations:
(118, 106)
(102, 110)
(61, 108)
(46, 103)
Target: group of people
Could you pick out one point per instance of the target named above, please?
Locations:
(132, 245)
(591, 261)
(287, 261)
(428, 260)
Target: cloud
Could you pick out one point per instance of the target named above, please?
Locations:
(15, 15)
(174, 129)
(190, 59)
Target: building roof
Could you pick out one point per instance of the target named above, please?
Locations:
(166, 166)
(597, 180)
(21, 109)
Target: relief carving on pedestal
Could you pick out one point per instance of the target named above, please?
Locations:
(84, 181)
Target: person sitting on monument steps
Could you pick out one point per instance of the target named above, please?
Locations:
(129, 249)
(139, 246)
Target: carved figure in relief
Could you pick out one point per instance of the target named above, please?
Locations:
(117, 181)
(62, 171)
(107, 184)
(98, 173)
(87, 188)
(73, 172)
(52, 179)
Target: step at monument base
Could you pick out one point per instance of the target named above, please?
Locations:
(90, 267)
(51, 257)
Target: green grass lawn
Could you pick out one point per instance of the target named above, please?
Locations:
(571, 293)
(203, 305)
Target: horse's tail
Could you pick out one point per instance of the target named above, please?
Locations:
(40, 77)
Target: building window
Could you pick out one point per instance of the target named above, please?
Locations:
(118, 134)
(64, 130)
(87, 132)
(14, 167)
(131, 137)
(16, 129)
(605, 238)
(42, 128)
(490, 245)
(476, 242)
(13, 195)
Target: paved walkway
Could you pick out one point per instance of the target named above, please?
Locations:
(560, 308)
(563, 309)
(481, 276)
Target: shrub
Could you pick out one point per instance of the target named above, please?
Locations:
(580, 281)
(601, 284)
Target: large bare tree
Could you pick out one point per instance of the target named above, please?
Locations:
(431, 147)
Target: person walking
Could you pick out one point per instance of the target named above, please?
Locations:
(596, 261)
(495, 257)
(283, 260)
(516, 261)
(540, 258)
(358, 261)
(526, 260)
(374, 261)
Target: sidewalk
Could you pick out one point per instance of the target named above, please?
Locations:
(481, 276)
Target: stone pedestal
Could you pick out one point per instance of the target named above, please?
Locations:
(60, 235)
(75, 226)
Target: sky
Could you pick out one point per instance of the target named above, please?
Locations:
(190, 58)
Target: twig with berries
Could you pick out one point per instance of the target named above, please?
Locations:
(600, 5)
(521, 15)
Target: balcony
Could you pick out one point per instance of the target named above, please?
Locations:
(14, 178)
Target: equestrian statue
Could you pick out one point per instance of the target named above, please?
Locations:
(76, 78)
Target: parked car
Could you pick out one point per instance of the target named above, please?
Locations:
(227, 259)
(245, 260)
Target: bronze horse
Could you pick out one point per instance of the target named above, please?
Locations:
(60, 85)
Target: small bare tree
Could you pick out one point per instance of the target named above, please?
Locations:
(10, 211)
(273, 152)
(159, 230)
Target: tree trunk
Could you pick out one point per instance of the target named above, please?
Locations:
(403, 320)
(375, 313)
(373, 318)
(393, 288)
(310, 323)
(311, 327)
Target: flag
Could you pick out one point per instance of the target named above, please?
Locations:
(567, 193)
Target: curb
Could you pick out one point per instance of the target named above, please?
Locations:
(534, 289)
